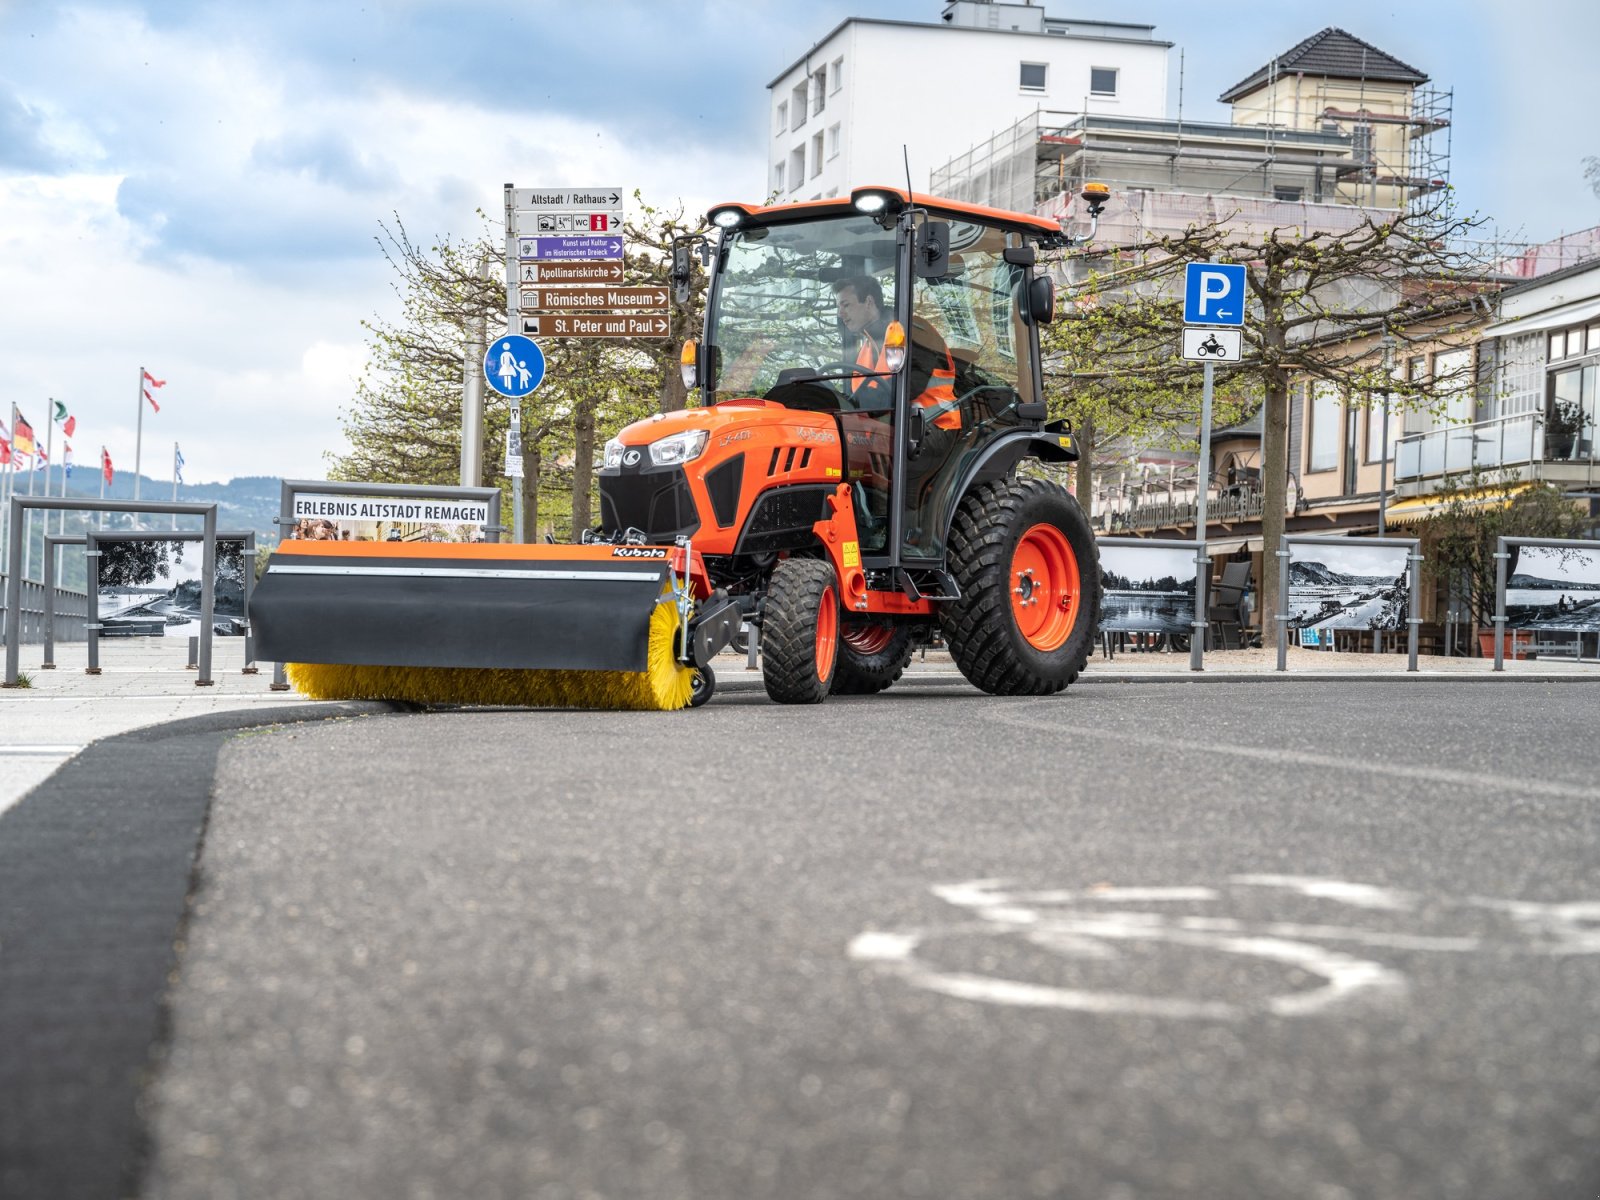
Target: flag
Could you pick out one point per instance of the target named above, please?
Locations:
(5, 452)
(177, 463)
(153, 381)
(71, 427)
(60, 413)
(66, 459)
(22, 435)
(105, 464)
(152, 400)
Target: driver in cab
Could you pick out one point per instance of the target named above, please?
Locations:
(860, 300)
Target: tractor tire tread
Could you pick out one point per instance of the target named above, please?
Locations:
(979, 628)
(789, 632)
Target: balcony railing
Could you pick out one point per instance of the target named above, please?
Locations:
(1505, 442)
(1227, 505)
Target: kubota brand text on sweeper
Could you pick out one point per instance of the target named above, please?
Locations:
(871, 376)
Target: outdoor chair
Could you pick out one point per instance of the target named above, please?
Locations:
(1225, 612)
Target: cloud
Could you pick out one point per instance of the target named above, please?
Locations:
(22, 143)
(327, 157)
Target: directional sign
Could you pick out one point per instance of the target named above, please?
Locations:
(593, 299)
(571, 198)
(541, 222)
(644, 326)
(1212, 345)
(513, 365)
(570, 248)
(1213, 294)
(570, 272)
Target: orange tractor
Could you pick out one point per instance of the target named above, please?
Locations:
(848, 490)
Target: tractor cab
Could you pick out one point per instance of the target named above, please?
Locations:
(913, 321)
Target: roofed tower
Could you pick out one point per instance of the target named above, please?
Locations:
(1333, 82)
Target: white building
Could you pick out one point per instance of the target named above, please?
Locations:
(871, 92)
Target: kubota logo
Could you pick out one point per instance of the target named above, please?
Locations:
(638, 552)
(631, 458)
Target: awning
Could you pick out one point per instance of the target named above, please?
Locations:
(1566, 314)
(1420, 508)
(1216, 546)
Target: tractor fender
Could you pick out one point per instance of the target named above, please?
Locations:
(1004, 452)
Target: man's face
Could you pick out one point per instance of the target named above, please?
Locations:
(855, 313)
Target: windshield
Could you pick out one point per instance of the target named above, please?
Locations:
(778, 301)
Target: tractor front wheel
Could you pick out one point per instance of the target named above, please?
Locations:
(1025, 560)
(872, 655)
(800, 632)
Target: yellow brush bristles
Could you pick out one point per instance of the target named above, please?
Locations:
(662, 686)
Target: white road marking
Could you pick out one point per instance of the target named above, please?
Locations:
(1518, 786)
(1071, 926)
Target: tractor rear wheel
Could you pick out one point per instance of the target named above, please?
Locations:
(800, 632)
(872, 655)
(1029, 573)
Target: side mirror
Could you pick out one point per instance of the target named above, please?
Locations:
(1042, 300)
(682, 272)
(933, 250)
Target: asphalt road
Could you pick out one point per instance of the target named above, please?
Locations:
(1254, 940)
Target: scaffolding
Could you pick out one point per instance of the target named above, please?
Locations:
(1325, 156)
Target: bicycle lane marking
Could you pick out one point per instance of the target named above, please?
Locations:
(1300, 758)
(1035, 916)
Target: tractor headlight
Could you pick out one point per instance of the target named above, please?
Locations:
(679, 448)
(614, 452)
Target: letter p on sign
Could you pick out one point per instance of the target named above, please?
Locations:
(1213, 294)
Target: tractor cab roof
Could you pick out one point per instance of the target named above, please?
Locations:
(773, 214)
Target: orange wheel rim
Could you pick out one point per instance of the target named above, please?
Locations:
(1045, 588)
(827, 631)
(868, 639)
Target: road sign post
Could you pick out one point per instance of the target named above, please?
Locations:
(1213, 294)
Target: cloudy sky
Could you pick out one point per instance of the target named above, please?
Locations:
(196, 187)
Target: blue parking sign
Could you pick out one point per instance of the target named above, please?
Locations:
(1213, 294)
(513, 365)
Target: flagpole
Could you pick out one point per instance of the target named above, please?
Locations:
(174, 482)
(102, 472)
(138, 433)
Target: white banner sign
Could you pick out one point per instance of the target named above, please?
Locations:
(311, 506)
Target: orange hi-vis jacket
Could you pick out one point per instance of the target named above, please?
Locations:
(937, 401)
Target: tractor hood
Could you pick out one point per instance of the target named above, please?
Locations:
(721, 420)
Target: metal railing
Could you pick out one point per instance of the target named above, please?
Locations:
(71, 613)
(1507, 441)
(1224, 505)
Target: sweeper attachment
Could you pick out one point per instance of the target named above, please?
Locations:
(854, 485)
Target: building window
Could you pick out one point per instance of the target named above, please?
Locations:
(1375, 429)
(819, 91)
(797, 168)
(1324, 439)
(833, 140)
(783, 118)
(838, 74)
(1034, 76)
(1521, 384)
(1102, 81)
(816, 155)
(777, 177)
(1570, 421)
(1594, 339)
(1288, 193)
(797, 106)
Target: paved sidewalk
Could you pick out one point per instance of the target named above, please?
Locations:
(144, 682)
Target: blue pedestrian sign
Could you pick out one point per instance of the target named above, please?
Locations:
(1213, 294)
(513, 364)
